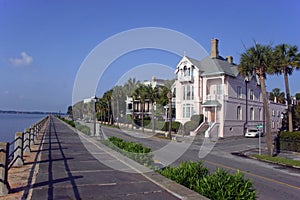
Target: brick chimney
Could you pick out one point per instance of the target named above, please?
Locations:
(229, 59)
(214, 53)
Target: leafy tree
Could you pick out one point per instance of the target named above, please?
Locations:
(70, 112)
(286, 60)
(297, 95)
(276, 93)
(258, 60)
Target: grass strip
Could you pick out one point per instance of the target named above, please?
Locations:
(279, 160)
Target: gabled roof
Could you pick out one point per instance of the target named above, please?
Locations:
(214, 66)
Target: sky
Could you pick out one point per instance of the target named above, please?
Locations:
(44, 43)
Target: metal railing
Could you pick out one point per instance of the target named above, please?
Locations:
(21, 144)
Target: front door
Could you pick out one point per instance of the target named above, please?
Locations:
(212, 114)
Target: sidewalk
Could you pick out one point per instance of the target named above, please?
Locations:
(74, 166)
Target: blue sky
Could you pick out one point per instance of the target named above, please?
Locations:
(44, 42)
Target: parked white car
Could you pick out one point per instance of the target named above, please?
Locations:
(253, 133)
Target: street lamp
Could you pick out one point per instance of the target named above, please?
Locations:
(170, 113)
(95, 114)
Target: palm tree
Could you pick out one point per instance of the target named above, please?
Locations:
(277, 96)
(140, 93)
(152, 95)
(257, 60)
(286, 60)
(117, 95)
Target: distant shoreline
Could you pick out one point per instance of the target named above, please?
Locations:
(30, 112)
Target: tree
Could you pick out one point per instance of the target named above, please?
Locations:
(297, 95)
(70, 111)
(107, 96)
(152, 95)
(258, 60)
(278, 95)
(286, 60)
(140, 93)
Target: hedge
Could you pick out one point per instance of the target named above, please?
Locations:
(289, 141)
(217, 185)
(135, 151)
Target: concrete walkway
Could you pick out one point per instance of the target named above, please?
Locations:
(67, 170)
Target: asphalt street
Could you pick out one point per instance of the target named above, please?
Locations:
(271, 181)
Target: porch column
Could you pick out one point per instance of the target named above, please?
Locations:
(215, 114)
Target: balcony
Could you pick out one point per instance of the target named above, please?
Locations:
(185, 78)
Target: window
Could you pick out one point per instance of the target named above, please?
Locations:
(278, 113)
(239, 113)
(188, 92)
(259, 114)
(239, 92)
(273, 124)
(251, 95)
(184, 97)
(187, 110)
(251, 114)
(219, 91)
(192, 92)
(273, 113)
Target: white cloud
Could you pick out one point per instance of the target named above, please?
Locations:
(23, 61)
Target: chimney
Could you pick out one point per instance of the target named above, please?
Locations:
(214, 53)
(229, 59)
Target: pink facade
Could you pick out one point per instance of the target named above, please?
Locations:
(213, 86)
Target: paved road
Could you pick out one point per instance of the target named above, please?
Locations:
(68, 170)
(271, 181)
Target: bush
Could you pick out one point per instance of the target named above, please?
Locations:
(186, 174)
(190, 126)
(222, 185)
(85, 129)
(218, 185)
(175, 126)
(197, 118)
(290, 141)
(135, 151)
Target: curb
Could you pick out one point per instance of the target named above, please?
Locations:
(242, 154)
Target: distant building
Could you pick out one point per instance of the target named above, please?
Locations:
(213, 87)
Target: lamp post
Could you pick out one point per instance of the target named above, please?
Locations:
(95, 114)
(170, 113)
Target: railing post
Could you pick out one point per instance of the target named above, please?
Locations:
(18, 155)
(4, 152)
(32, 135)
(26, 140)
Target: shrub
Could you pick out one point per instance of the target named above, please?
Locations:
(85, 129)
(218, 185)
(186, 174)
(290, 141)
(222, 185)
(197, 118)
(175, 126)
(135, 151)
(190, 126)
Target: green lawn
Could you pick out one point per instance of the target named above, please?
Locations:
(280, 160)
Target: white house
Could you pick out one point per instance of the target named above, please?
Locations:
(213, 87)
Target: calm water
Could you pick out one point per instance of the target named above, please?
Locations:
(12, 123)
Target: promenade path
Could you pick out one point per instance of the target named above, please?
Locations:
(67, 170)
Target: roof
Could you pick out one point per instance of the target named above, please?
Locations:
(211, 103)
(214, 66)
